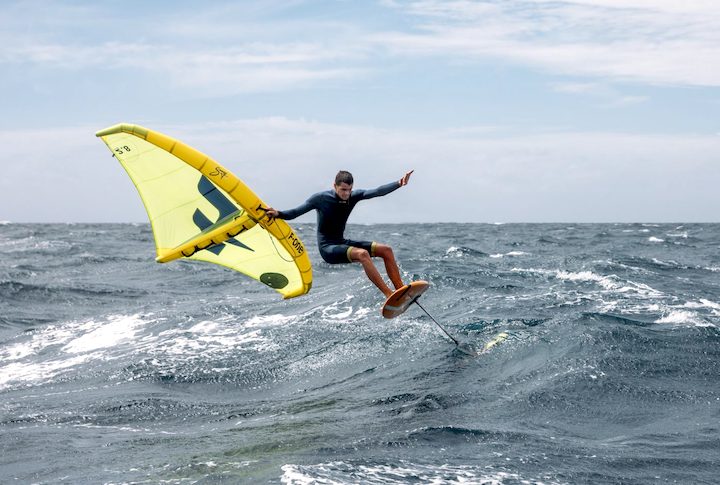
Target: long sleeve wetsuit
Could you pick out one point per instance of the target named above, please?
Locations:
(333, 213)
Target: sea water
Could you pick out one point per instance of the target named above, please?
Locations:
(115, 369)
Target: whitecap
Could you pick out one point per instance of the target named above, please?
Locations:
(269, 321)
(668, 264)
(453, 251)
(611, 283)
(589, 276)
(30, 373)
(209, 337)
(52, 350)
(510, 254)
(100, 335)
(339, 472)
(702, 303)
(682, 317)
(655, 239)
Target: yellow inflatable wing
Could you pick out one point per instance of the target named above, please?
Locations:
(199, 210)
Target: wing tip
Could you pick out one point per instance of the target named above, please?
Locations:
(299, 292)
(123, 128)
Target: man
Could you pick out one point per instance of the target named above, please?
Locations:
(333, 209)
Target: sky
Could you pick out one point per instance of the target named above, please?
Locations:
(508, 111)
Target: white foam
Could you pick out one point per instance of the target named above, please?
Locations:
(268, 321)
(682, 317)
(43, 355)
(669, 264)
(607, 282)
(33, 372)
(336, 473)
(509, 254)
(344, 310)
(611, 283)
(56, 349)
(119, 329)
(31, 243)
(516, 253)
(702, 303)
(654, 239)
(453, 251)
(220, 336)
(580, 276)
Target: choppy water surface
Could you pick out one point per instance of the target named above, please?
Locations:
(115, 369)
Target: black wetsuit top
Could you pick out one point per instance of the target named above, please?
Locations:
(333, 212)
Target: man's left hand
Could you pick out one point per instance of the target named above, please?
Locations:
(406, 178)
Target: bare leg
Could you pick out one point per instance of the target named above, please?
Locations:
(393, 272)
(363, 257)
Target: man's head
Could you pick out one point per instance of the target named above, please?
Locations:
(343, 184)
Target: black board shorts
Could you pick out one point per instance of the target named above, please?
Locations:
(340, 253)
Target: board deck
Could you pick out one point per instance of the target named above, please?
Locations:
(402, 298)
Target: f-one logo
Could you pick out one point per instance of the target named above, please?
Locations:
(296, 243)
(224, 207)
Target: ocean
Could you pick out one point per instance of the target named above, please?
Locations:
(115, 369)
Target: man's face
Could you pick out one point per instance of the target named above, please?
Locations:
(343, 190)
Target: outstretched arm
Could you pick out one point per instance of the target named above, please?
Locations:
(384, 189)
(290, 214)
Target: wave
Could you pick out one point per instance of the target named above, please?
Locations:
(509, 254)
(613, 341)
(46, 293)
(401, 472)
(52, 351)
(459, 252)
(447, 435)
(608, 282)
(636, 320)
(481, 325)
(683, 317)
(33, 244)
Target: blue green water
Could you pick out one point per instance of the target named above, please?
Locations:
(115, 369)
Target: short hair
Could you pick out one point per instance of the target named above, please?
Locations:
(343, 176)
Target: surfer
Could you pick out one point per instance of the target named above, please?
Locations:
(333, 209)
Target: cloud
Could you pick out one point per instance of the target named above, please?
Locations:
(224, 50)
(656, 42)
(485, 175)
(601, 91)
(231, 49)
(216, 71)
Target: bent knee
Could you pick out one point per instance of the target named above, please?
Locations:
(358, 254)
(383, 250)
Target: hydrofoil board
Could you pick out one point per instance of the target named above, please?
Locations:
(403, 297)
